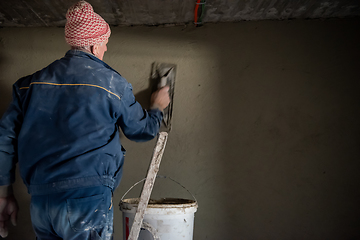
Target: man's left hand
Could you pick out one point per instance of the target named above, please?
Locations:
(8, 212)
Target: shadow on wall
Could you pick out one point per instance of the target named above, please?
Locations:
(5, 92)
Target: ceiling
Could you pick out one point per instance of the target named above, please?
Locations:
(50, 13)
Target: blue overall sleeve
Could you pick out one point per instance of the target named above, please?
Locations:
(136, 123)
(10, 125)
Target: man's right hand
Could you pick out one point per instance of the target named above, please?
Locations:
(160, 99)
(8, 212)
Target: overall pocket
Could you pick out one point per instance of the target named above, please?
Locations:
(87, 213)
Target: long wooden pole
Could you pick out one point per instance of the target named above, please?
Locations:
(148, 185)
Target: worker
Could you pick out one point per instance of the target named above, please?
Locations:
(62, 127)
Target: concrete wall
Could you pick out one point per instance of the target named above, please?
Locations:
(266, 122)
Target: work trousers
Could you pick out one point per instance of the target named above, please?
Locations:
(85, 214)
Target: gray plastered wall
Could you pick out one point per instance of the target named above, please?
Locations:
(265, 125)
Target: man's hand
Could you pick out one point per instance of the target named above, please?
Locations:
(160, 99)
(8, 212)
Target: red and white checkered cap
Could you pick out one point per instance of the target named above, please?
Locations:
(84, 27)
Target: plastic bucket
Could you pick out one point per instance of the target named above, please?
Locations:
(165, 219)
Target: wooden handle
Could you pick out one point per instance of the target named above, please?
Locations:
(148, 185)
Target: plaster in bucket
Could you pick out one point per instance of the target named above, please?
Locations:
(165, 219)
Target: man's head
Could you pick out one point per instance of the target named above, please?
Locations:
(86, 29)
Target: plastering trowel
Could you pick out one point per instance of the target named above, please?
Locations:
(162, 74)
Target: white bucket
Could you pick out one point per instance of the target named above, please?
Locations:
(165, 219)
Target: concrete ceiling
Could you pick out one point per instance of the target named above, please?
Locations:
(48, 13)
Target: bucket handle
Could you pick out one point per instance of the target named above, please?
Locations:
(158, 176)
(151, 229)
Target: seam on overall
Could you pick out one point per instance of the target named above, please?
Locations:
(70, 84)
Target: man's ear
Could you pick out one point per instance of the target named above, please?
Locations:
(95, 49)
